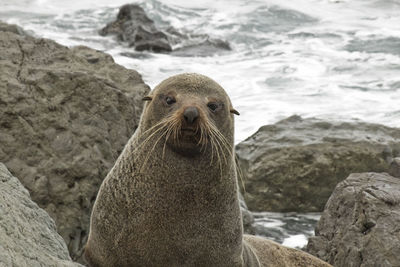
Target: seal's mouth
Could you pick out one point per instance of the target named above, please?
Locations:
(188, 132)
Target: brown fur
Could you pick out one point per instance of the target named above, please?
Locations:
(272, 254)
(171, 198)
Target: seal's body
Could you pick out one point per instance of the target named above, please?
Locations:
(171, 198)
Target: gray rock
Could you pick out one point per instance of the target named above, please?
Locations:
(133, 26)
(139, 31)
(4, 27)
(65, 115)
(360, 223)
(295, 164)
(28, 236)
(394, 169)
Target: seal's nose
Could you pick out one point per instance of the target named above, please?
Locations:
(191, 114)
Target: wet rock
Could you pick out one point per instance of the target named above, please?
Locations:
(139, 31)
(360, 223)
(295, 164)
(65, 115)
(28, 235)
(394, 169)
(133, 26)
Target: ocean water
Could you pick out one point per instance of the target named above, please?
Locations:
(332, 59)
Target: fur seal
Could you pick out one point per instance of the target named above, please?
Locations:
(171, 198)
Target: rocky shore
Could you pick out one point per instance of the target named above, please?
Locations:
(295, 164)
(66, 114)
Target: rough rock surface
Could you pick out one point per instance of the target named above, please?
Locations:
(139, 31)
(295, 164)
(28, 236)
(394, 169)
(360, 224)
(65, 115)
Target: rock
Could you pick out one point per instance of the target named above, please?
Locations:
(4, 27)
(65, 116)
(394, 169)
(28, 235)
(360, 223)
(196, 45)
(133, 26)
(139, 31)
(295, 164)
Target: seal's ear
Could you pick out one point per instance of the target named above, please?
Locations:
(147, 98)
(234, 111)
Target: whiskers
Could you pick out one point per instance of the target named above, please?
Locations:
(207, 139)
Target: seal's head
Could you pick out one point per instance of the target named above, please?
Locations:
(191, 112)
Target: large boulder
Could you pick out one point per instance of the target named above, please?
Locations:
(65, 116)
(28, 236)
(360, 224)
(295, 164)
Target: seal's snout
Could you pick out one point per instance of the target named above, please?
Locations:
(191, 114)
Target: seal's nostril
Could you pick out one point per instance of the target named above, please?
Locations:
(191, 114)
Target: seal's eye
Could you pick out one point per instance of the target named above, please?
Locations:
(170, 100)
(212, 106)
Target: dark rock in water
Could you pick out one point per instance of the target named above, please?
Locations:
(360, 223)
(295, 164)
(133, 26)
(65, 116)
(28, 236)
(394, 169)
(196, 45)
(139, 31)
